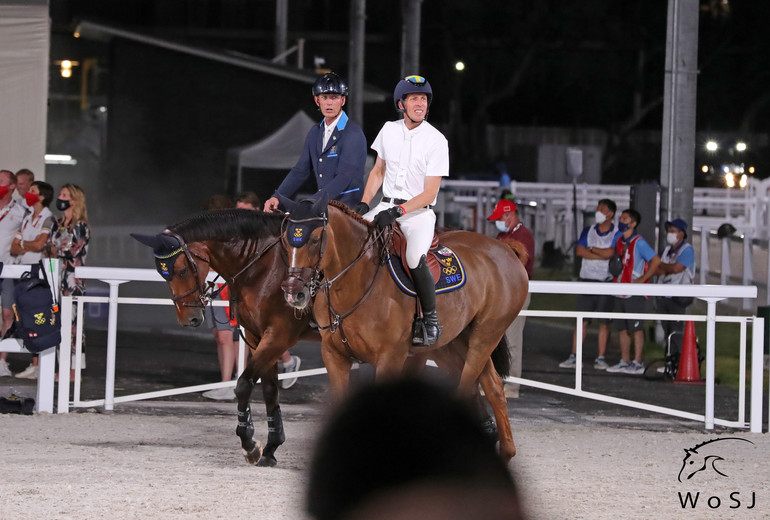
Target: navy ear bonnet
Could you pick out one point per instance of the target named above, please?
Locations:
(304, 217)
(165, 248)
(307, 216)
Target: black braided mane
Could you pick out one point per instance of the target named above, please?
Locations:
(228, 224)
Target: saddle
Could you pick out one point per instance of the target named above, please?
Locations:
(398, 248)
(445, 266)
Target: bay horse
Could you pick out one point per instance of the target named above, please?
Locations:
(362, 314)
(243, 247)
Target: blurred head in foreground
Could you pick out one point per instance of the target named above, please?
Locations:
(408, 449)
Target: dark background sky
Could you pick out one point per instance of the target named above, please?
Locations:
(595, 64)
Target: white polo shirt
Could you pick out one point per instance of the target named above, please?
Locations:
(31, 228)
(10, 222)
(410, 156)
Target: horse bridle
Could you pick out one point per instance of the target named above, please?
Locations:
(315, 285)
(206, 291)
(313, 275)
(201, 286)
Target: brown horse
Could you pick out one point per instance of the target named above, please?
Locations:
(242, 247)
(363, 315)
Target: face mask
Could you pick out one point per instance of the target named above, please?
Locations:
(672, 238)
(31, 198)
(501, 227)
(62, 205)
(600, 217)
(3, 191)
(622, 227)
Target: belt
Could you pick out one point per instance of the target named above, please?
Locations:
(398, 202)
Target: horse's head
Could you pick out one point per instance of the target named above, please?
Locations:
(304, 238)
(184, 268)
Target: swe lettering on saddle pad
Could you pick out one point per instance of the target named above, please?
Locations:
(451, 276)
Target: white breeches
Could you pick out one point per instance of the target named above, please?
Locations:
(418, 227)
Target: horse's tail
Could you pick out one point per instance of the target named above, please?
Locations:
(501, 358)
(519, 249)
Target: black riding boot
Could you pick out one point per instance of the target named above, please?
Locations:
(426, 331)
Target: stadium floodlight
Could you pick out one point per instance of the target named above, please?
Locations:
(712, 146)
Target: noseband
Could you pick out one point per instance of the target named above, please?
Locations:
(201, 287)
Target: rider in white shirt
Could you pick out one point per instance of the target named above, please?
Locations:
(412, 157)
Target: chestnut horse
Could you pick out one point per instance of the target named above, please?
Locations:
(363, 315)
(242, 247)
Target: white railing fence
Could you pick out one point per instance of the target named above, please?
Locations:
(114, 277)
(742, 258)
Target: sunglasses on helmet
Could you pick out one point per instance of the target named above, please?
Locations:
(415, 80)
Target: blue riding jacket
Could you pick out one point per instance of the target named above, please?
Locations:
(338, 168)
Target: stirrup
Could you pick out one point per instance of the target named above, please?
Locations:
(425, 335)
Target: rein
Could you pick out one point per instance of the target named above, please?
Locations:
(335, 318)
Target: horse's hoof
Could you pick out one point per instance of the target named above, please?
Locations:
(267, 461)
(253, 456)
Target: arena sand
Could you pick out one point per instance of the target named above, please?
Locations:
(155, 463)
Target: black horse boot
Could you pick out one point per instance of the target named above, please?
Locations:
(428, 330)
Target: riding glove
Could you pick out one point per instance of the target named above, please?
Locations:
(361, 208)
(386, 217)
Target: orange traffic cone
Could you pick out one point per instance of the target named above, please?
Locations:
(689, 369)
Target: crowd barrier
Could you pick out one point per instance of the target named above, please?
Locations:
(710, 294)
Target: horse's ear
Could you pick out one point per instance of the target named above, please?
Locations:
(158, 243)
(286, 202)
(152, 241)
(320, 207)
(169, 243)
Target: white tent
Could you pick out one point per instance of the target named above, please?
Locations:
(278, 151)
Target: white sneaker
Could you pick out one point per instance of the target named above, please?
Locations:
(4, 370)
(220, 394)
(600, 363)
(634, 368)
(569, 362)
(31, 372)
(620, 367)
(288, 368)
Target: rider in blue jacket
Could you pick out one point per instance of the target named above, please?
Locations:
(335, 150)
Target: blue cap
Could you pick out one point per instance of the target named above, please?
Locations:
(677, 223)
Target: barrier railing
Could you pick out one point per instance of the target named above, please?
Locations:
(711, 294)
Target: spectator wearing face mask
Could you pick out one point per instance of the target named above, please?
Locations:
(594, 247)
(69, 242)
(677, 267)
(30, 241)
(506, 219)
(11, 215)
(24, 180)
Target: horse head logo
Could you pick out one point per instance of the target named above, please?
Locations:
(702, 457)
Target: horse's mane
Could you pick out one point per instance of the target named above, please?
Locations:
(349, 212)
(226, 224)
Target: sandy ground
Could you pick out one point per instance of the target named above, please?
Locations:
(154, 463)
